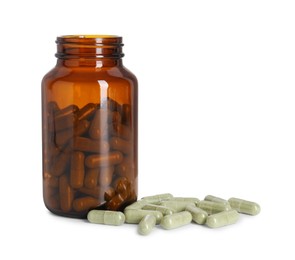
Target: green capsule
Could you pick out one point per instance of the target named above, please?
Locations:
(176, 220)
(134, 216)
(157, 198)
(212, 207)
(136, 205)
(107, 217)
(147, 224)
(199, 215)
(222, 219)
(162, 209)
(176, 206)
(216, 199)
(244, 206)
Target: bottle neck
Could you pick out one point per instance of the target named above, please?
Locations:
(89, 50)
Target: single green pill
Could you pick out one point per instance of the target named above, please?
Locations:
(176, 220)
(244, 206)
(147, 224)
(162, 209)
(222, 219)
(212, 207)
(106, 217)
(134, 216)
(176, 206)
(216, 199)
(157, 198)
(199, 216)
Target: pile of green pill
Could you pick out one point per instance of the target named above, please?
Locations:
(173, 212)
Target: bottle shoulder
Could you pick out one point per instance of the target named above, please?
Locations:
(129, 74)
(86, 75)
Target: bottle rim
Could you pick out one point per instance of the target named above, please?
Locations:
(89, 46)
(90, 38)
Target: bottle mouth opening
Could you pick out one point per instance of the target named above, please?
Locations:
(88, 36)
(90, 39)
(89, 46)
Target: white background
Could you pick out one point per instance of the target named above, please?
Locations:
(216, 116)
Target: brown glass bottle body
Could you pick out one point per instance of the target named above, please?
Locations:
(89, 128)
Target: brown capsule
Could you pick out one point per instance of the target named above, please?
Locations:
(96, 192)
(77, 170)
(106, 175)
(91, 178)
(87, 145)
(60, 163)
(87, 111)
(65, 194)
(121, 131)
(65, 118)
(120, 145)
(99, 125)
(97, 160)
(126, 114)
(109, 193)
(85, 203)
(64, 136)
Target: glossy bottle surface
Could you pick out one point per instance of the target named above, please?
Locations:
(89, 125)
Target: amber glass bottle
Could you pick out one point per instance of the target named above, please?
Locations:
(89, 114)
